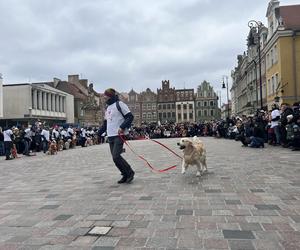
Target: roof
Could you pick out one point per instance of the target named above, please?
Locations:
(290, 16)
(71, 89)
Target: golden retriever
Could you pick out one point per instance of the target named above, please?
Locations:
(194, 153)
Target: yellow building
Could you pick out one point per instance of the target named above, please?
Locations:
(282, 54)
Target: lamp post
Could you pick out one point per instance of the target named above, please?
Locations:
(226, 87)
(256, 26)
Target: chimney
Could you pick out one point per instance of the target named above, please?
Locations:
(73, 79)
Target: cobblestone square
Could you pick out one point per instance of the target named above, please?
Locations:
(250, 199)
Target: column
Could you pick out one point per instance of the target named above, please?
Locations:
(34, 99)
(52, 102)
(40, 100)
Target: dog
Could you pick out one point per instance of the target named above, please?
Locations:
(194, 153)
(14, 153)
(52, 148)
(67, 144)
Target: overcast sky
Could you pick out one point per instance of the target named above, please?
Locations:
(125, 43)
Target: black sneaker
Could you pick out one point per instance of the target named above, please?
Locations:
(130, 177)
(122, 180)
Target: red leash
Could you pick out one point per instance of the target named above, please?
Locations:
(142, 158)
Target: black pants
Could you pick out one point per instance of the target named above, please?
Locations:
(7, 147)
(116, 149)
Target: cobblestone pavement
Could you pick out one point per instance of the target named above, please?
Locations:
(250, 199)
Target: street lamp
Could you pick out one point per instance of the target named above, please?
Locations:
(256, 26)
(226, 87)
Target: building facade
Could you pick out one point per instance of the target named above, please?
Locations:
(25, 103)
(1, 96)
(283, 54)
(206, 103)
(166, 98)
(185, 105)
(88, 104)
(134, 105)
(148, 102)
(278, 64)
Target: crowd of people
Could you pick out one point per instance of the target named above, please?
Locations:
(279, 126)
(38, 137)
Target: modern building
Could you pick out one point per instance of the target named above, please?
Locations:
(25, 103)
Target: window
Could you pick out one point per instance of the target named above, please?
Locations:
(159, 106)
(269, 87)
(273, 85)
(149, 106)
(205, 104)
(211, 112)
(185, 116)
(272, 57)
(173, 106)
(169, 115)
(173, 115)
(212, 103)
(169, 106)
(154, 106)
(199, 113)
(276, 80)
(205, 112)
(190, 106)
(160, 115)
(179, 107)
(164, 106)
(149, 115)
(184, 106)
(179, 116)
(198, 104)
(164, 115)
(144, 115)
(191, 115)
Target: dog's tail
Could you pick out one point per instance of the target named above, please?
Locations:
(197, 140)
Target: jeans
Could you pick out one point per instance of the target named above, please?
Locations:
(256, 142)
(116, 149)
(2, 151)
(277, 134)
(45, 145)
(8, 146)
(27, 144)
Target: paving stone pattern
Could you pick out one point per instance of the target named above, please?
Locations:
(250, 199)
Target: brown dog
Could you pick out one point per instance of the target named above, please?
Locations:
(52, 148)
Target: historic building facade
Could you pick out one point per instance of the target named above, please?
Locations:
(88, 104)
(1, 96)
(148, 100)
(279, 44)
(185, 105)
(134, 105)
(166, 98)
(206, 103)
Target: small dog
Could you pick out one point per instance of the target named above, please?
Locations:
(194, 153)
(67, 144)
(14, 152)
(52, 148)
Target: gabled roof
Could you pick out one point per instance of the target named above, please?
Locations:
(71, 89)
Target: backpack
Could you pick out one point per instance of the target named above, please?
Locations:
(119, 108)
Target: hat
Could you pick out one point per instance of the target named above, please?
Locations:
(110, 92)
